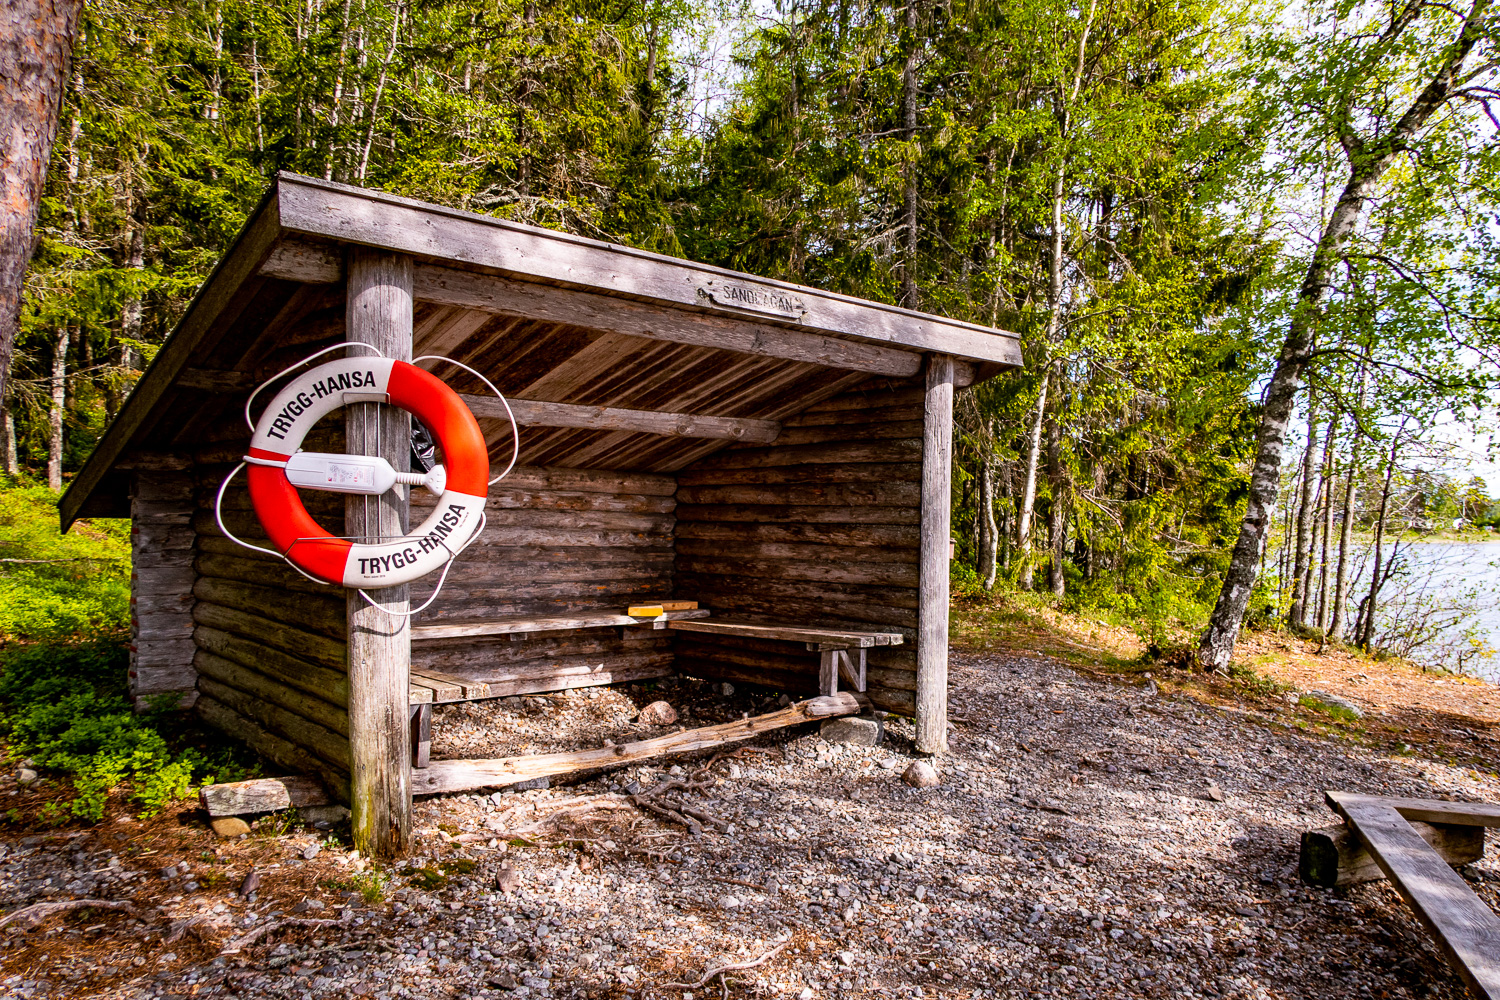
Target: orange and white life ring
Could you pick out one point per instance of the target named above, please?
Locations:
(309, 397)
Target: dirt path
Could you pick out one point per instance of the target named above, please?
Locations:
(1072, 850)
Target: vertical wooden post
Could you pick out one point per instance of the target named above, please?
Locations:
(379, 313)
(932, 579)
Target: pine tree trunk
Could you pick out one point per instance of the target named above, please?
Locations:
(910, 298)
(36, 47)
(1306, 512)
(59, 400)
(1368, 162)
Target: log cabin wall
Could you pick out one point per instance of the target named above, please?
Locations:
(820, 528)
(270, 644)
(161, 586)
(556, 541)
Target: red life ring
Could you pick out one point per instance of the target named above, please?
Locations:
(301, 540)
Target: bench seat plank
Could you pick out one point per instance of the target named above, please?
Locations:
(1465, 929)
(821, 637)
(544, 623)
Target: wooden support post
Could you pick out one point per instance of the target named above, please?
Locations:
(852, 667)
(828, 671)
(379, 313)
(421, 734)
(932, 581)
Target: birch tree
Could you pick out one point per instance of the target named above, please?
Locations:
(1380, 84)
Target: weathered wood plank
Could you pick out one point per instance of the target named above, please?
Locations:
(771, 513)
(932, 614)
(330, 747)
(317, 649)
(537, 413)
(803, 475)
(443, 691)
(450, 776)
(540, 623)
(269, 745)
(379, 313)
(1433, 810)
(868, 573)
(1465, 929)
(897, 451)
(852, 494)
(262, 795)
(827, 637)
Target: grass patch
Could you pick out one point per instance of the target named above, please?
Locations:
(52, 585)
(369, 884)
(1339, 713)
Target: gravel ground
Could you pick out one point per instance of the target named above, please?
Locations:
(1074, 849)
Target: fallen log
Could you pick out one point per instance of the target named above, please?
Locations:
(442, 777)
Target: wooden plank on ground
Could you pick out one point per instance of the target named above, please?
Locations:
(258, 795)
(825, 638)
(1466, 930)
(442, 777)
(541, 623)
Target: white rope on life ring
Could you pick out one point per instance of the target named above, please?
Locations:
(277, 467)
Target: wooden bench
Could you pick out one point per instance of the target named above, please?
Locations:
(1465, 929)
(841, 652)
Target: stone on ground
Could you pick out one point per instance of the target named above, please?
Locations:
(920, 774)
(859, 730)
(658, 713)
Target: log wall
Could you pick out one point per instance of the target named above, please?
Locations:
(819, 528)
(270, 644)
(161, 585)
(557, 540)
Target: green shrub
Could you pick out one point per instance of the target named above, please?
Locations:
(66, 707)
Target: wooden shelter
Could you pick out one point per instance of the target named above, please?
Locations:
(773, 458)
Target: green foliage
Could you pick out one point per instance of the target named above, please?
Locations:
(65, 707)
(369, 884)
(79, 583)
(1338, 713)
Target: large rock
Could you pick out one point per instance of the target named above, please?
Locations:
(920, 774)
(856, 729)
(658, 713)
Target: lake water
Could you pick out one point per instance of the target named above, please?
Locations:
(1439, 577)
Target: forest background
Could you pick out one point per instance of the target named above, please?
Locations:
(1136, 188)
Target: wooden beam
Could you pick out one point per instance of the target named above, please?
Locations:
(442, 777)
(932, 586)
(1335, 856)
(1433, 810)
(1465, 929)
(536, 413)
(331, 211)
(379, 313)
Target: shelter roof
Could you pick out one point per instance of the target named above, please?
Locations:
(593, 338)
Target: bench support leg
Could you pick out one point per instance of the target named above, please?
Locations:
(828, 671)
(421, 735)
(852, 668)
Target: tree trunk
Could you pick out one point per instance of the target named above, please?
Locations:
(36, 46)
(1368, 162)
(59, 400)
(12, 462)
(1325, 488)
(1057, 510)
(910, 298)
(1296, 617)
(1372, 599)
(989, 535)
(1028, 492)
